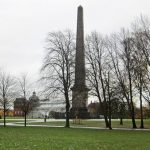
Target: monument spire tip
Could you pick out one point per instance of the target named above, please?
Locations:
(80, 6)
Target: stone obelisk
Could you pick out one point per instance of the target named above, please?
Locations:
(79, 90)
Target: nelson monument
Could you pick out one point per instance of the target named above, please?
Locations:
(79, 90)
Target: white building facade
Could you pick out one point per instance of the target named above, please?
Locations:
(47, 106)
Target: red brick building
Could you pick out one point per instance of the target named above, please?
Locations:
(17, 107)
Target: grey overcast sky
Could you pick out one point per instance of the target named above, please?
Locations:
(24, 25)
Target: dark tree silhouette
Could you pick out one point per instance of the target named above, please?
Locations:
(58, 66)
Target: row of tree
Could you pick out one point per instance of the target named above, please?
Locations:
(117, 67)
(11, 88)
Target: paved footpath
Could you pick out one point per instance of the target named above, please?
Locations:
(21, 123)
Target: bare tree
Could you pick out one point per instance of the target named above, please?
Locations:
(121, 52)
(7, 92)
(139, 74)
(58, 66)
(141, 36)
(26, 104)
(98, 73)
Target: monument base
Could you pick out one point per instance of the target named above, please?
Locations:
(80, 113)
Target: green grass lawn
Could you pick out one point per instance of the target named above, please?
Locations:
(16, 117)
(8, 120)
(14, 120)
(39, 138)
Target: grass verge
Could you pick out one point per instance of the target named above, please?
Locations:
(39, 138)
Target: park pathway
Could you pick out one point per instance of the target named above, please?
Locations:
(21, 123)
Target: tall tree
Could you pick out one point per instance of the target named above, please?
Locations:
(26, 104)
(141, 73)
(98, 75)
(121, 52)
(7, 92)
(58, 67)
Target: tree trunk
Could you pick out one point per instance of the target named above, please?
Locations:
(45, 118)
(133, 115)
(25, 119)
(131, 110)
(110, 122)
(121, 121)
(141, 106)
(4, 118)
(110, 116)
(109, 103)
(133, 121)
(109, 112)
(67, 112)
(4, 114)
(141, 110)
(105, 108)
(132, 106)
(106, 121)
